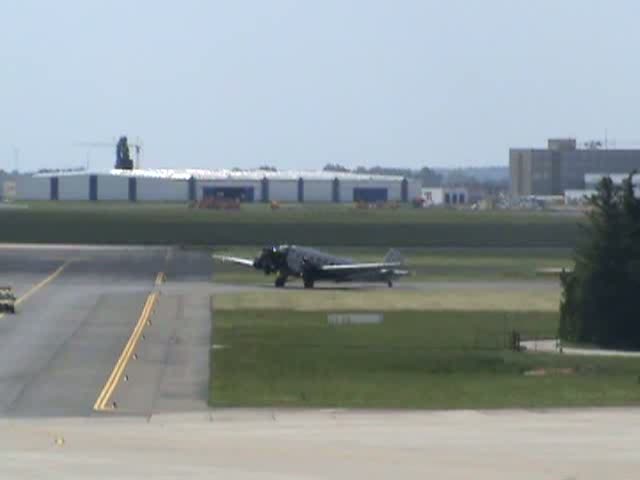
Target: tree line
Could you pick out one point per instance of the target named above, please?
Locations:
(427, 176)
(601, 295)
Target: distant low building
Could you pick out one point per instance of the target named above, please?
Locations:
(8, 190)
(591, 181)
(7, 186)
(195, 185)
(445, 196)
(577, 197)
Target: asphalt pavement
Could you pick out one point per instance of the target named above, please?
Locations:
(131, 326)
(79, 336)
(77, 309)
(575, 444)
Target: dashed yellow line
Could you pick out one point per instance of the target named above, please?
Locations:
(102, 402)
(160, 279)
(40, 285)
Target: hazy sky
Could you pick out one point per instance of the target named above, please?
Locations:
(298, 84)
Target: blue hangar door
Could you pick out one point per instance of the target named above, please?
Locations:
(244, 194)
(370, 195)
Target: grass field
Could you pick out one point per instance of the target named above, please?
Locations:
(87, 222)
(435, 359)
(426, 264)
(467, 298)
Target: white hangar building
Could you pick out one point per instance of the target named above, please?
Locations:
(194, 185)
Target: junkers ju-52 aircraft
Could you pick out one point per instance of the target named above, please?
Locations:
(312, 265)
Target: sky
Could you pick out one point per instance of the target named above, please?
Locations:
(298, 84)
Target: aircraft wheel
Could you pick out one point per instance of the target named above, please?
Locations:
(279, 283)
(308, 283)
(390, 283)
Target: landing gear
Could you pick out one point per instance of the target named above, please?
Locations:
(389, 283)
(308, 282)
(280, 281)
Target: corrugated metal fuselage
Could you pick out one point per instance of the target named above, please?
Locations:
(306, 262)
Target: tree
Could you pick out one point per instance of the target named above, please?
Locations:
(430, 178)
(631, 212)
(599, 296)
(335, 167)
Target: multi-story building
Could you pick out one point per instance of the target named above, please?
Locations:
(562, 166)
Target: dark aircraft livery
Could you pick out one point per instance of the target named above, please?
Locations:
(312, 265)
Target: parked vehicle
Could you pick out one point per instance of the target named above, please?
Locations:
(7, 300)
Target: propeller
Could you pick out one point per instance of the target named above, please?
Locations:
(272, 259)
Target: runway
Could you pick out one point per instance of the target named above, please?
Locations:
(60, 348)
(580, 444)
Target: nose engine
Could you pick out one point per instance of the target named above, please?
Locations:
(272, 259)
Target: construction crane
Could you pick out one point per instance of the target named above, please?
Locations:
(610, 143)
(592, 144)
(137, 146)
(625, 143)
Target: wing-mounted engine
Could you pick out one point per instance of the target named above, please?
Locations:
(307, 268)
(306, 265)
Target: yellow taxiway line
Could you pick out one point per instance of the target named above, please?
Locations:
(102, 402)
(40, 285)
(160, 279)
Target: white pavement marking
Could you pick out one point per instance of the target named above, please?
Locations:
(40, 285)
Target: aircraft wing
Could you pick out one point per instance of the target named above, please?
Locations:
(360, 267)
(237, 260)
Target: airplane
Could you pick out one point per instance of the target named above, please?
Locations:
(312, 265)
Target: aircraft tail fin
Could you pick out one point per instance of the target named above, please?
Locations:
(394, 256)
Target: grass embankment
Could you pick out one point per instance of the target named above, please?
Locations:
(465, 298)
(86, 222)
(436, 359)
(432, 264)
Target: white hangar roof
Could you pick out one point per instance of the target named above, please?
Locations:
(224, 174)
